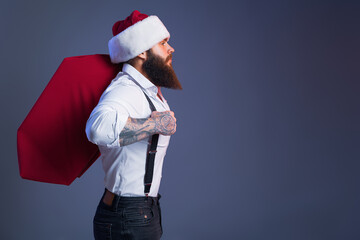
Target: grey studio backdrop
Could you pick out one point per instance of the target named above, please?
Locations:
(267, 145)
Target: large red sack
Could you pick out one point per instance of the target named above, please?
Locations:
(51, 142)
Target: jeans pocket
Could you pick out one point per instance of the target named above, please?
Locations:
(138, 216)
(102, 231)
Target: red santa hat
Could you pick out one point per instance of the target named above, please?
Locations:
(134, 35)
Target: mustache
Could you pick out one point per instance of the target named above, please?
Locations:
(168, 58)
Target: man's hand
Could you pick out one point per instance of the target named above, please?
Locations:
(165, 122)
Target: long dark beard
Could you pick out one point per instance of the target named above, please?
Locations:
(159, 73)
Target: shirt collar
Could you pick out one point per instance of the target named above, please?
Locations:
(139, 78)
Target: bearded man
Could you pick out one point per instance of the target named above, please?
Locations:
(132, 125)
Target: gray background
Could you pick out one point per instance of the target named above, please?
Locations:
(267, 145)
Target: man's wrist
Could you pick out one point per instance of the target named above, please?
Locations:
(152, 124)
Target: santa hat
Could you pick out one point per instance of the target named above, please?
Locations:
(134, 35)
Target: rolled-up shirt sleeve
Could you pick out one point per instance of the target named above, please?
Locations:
(109, 117)
(105, 125)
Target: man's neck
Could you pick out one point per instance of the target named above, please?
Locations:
(138, 67)
(139, 70)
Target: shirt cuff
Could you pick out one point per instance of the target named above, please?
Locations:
(120, 123)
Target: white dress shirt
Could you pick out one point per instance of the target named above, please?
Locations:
(124, 166)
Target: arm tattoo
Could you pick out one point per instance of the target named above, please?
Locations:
(136, 130)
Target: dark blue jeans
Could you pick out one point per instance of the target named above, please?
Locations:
(130, 218)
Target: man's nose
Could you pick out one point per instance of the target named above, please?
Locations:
(171, 49)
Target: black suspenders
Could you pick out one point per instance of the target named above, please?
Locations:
(150, 158)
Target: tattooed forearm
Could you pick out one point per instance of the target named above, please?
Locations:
(136, 130)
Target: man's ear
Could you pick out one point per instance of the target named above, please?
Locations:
(142, 56)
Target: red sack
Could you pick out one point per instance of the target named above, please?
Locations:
(51, 142)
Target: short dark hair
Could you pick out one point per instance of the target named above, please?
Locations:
(131, 61)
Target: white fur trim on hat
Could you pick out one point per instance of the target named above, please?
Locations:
(137, 39)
